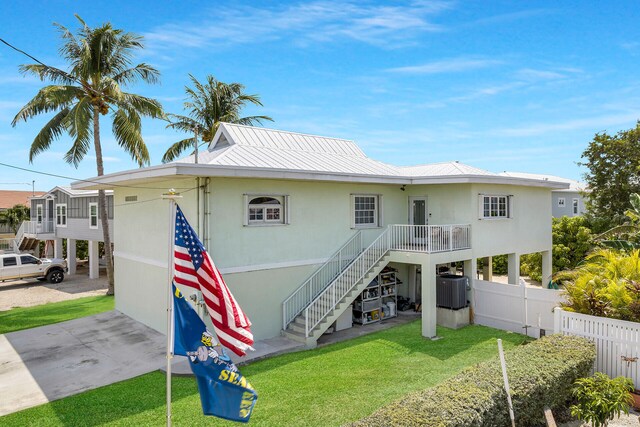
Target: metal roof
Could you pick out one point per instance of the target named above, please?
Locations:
(248, 151)
(574, 186)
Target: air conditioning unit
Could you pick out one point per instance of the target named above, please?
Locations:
(451, 291)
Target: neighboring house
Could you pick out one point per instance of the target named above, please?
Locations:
(273, 207)
(10, 198)
(65, 213)
(564, 201)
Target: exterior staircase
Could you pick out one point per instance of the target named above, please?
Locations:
(337, 294)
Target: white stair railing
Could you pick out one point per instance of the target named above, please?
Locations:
(320, 279)
(430, 238)
(326, 301)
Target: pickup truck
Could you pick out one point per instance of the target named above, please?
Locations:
(23, 266)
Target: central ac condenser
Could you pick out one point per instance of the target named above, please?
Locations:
(451, 291)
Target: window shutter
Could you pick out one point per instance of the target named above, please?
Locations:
(510, 207)
(287, 210)
(380, 210)
(352, 209)
(480, 206)
(245, 209)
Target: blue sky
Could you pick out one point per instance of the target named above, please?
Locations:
(501, 85)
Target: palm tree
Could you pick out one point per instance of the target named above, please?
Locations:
(624, 237)
(14, 216)
(209, 105)
(99, 62)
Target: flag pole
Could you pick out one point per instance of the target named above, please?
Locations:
(171, 196)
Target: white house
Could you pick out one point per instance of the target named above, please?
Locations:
(300, 224)
(65, 213)
(564, 201)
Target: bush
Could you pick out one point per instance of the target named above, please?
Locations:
(541, 375)
(600, 398)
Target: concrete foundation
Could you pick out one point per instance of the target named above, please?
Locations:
(453, 319)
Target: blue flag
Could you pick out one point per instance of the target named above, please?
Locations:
(224, 392)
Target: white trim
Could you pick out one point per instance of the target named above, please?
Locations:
(39, 215)
(94, 227)
(58, 223)
(508, 207)
(282, 207)
(377, 211)
(229, 270)
(575, 206)
(563, 204)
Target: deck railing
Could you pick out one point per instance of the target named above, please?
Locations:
(430, 238)
(7, 245)
(320, 279)
(320, 294)
(322, 305)
(35, 227)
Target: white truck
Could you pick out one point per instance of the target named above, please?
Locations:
(24, 266)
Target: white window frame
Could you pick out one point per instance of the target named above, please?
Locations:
(508, 208)
(91, 216)
(561, 202)
(39, 215)
(61, 215)
(377, 211)
(283, 208)
(576, 206)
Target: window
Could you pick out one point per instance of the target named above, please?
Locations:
(61, 215)
(495, 207)
(9, 261)
(265, 210)
(93, 215)
(39, 214)
(575, 206)
(366, 210)
(28, 259)
(561, 202)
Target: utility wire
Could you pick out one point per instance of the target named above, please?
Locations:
(85, 180)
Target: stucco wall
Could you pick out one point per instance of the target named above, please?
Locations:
(567, 210)
(263, 264)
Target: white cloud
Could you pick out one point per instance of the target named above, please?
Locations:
(451, 65)
(319, 21)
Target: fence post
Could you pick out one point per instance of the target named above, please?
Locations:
(557, 320)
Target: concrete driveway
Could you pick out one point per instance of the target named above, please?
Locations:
(51, 362)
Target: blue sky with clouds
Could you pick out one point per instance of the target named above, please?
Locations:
(501, 85)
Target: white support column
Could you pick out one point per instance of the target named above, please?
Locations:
(487, 269)
(71, 256)
(429, 313)
(470, 270)
(93, 259)
(547, 267)
(57, 248)
(514, 269)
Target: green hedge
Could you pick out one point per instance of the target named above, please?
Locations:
(540, 374)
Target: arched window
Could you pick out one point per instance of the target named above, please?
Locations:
(266, 210)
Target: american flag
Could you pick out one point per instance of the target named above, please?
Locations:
(193, 267)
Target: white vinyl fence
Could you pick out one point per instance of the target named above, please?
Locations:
(515, 308)
(617, 342)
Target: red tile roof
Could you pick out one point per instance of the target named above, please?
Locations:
(10, 198)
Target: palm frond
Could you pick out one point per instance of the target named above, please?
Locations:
(45, 72)
(144, 72)
(78, 123)
(142, 105)
(49, 133)
(127, 130)
(177, 149)
(618, 231)
(621, 245)
(49, 98)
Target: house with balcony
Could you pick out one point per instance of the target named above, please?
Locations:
(300, 225)
(65, 214)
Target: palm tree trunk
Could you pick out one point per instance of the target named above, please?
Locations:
(102, 201)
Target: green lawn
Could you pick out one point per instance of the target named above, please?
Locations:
(20, 318)
(323, 387)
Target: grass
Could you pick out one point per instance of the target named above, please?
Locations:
(21, 318)
(324, 387)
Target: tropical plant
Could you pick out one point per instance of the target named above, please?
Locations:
(572, 240)
(625, 237)
(14, 216)
(208, 105)
(600, 398)
(99, 62)
(606, 284)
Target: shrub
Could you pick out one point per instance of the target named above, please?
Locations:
(541, 374)
(600, 398)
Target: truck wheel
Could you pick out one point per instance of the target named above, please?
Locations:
(55, 276)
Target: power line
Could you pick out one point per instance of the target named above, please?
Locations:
(85, 180)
